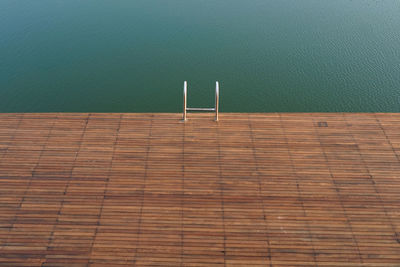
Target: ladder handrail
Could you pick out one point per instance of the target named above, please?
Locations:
(216, 100)
(186, 109)
(184, 100)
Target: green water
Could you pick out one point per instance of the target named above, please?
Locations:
(133, 55)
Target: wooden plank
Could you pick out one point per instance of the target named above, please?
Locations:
(290, 189)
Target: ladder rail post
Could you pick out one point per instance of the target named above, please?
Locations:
(216, 100)
(184, 100)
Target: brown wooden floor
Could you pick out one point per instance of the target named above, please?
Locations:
(250, 190)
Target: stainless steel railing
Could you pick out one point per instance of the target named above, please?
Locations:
(186, 109)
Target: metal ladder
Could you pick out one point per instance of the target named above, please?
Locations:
(186, 109)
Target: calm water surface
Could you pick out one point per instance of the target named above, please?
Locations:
(133, 55)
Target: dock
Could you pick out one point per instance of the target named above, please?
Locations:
(253, 189)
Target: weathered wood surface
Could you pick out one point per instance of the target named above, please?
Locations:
(250, 190)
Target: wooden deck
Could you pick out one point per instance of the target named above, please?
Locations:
(250, 190)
